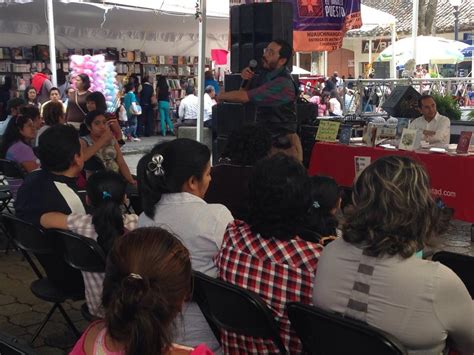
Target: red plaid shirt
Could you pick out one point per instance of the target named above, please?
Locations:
(279, 271)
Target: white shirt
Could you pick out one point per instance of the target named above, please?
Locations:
(208, 103)
(189, 107)
(336, 106)
(420, 302)
(439, 124)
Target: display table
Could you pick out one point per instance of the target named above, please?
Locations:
(451, 177)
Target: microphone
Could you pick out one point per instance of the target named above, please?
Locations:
(252, 65)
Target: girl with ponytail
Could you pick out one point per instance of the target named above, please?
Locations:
(105, 195)
(148, 279)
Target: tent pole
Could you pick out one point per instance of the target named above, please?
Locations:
(52, 42)
(394, 63)
(370, 52)
(202, 67)
(414, 27)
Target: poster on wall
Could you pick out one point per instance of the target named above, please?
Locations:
(320, 25)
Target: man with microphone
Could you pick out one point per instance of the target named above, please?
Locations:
(274, 94)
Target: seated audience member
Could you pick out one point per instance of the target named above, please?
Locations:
(436, 128)
(172, 181)
(16, 143)
(96, 102)
(53, 189)
(32, 112)
(267, 254)
(209, 101)
(230, 177)
(13, 109)
(101, 145)
(334, 107)
(54, 96)
(326, 202)
(53, 114)
(189, 108)
(148, 279)
(372, 274)
(105, 194)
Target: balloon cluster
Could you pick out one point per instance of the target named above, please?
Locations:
(102, 76)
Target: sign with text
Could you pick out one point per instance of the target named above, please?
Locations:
(327, 131)
(320, 25)
(378, 45)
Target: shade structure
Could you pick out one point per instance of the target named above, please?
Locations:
(298, 70)
(429, 49)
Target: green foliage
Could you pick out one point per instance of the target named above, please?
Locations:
(447, 106)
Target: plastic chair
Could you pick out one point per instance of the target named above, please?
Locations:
(9, 169)
(83, 254)
(32, 240)
(462, 265)
(235, 309)
(10, 345)
(323, 332)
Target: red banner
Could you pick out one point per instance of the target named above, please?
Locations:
(320, 25)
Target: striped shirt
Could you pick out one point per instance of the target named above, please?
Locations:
(82, 224)
(274, 90)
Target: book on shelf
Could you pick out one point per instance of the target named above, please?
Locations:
(27, 53)
(5, 53)
(464, 142)
(136, 55)
(88, 51)
(111, 53)
(17, 53)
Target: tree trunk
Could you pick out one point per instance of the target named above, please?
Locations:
(426, 17)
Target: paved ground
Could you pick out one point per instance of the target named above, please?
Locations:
(21, 312)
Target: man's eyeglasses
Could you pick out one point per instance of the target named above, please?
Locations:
(268, 51)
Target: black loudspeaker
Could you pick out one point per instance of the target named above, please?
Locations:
(403, 102)
(228, 117)
(306, 113)
(253, 26)
(381, 70)
(232, 82)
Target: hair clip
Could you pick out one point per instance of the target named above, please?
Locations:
(316, 204)
(155, 165)
(106, 195)
(135, 276)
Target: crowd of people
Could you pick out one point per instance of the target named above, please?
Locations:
(255, 220)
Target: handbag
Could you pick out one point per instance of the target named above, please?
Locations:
(135, 109)
(122, 114)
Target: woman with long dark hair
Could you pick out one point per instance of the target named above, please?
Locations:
(172, 181)
(147, 281)
(31, 97)
(105, 195)
(17, 140)
(163, 94)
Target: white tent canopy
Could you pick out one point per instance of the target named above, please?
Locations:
(170, 28)
(373, 18)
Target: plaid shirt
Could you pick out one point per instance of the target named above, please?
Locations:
(272, 90)
(82, 224)
(279, 271)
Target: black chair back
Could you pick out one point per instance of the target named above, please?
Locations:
(322, 333)
(10, 345)
(27, 236)
(462, 265)
(235, 309)
(11, 169)
(79, 252)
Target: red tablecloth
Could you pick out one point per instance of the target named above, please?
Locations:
(451, 177)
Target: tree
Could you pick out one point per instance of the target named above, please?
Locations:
(426, 17)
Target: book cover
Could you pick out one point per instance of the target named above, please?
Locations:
(327, 131)
(464, 142)
(143, 57)
(370, 134)
(17, 53)
(345, 134)
(111, 53)
(123, 55)
(360, 163)
(27, 53)
(130, 56)
(403, 122)
(410, 140)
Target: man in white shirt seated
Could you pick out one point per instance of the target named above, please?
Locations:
(435, 127)
(209, 101)
(188, 108)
